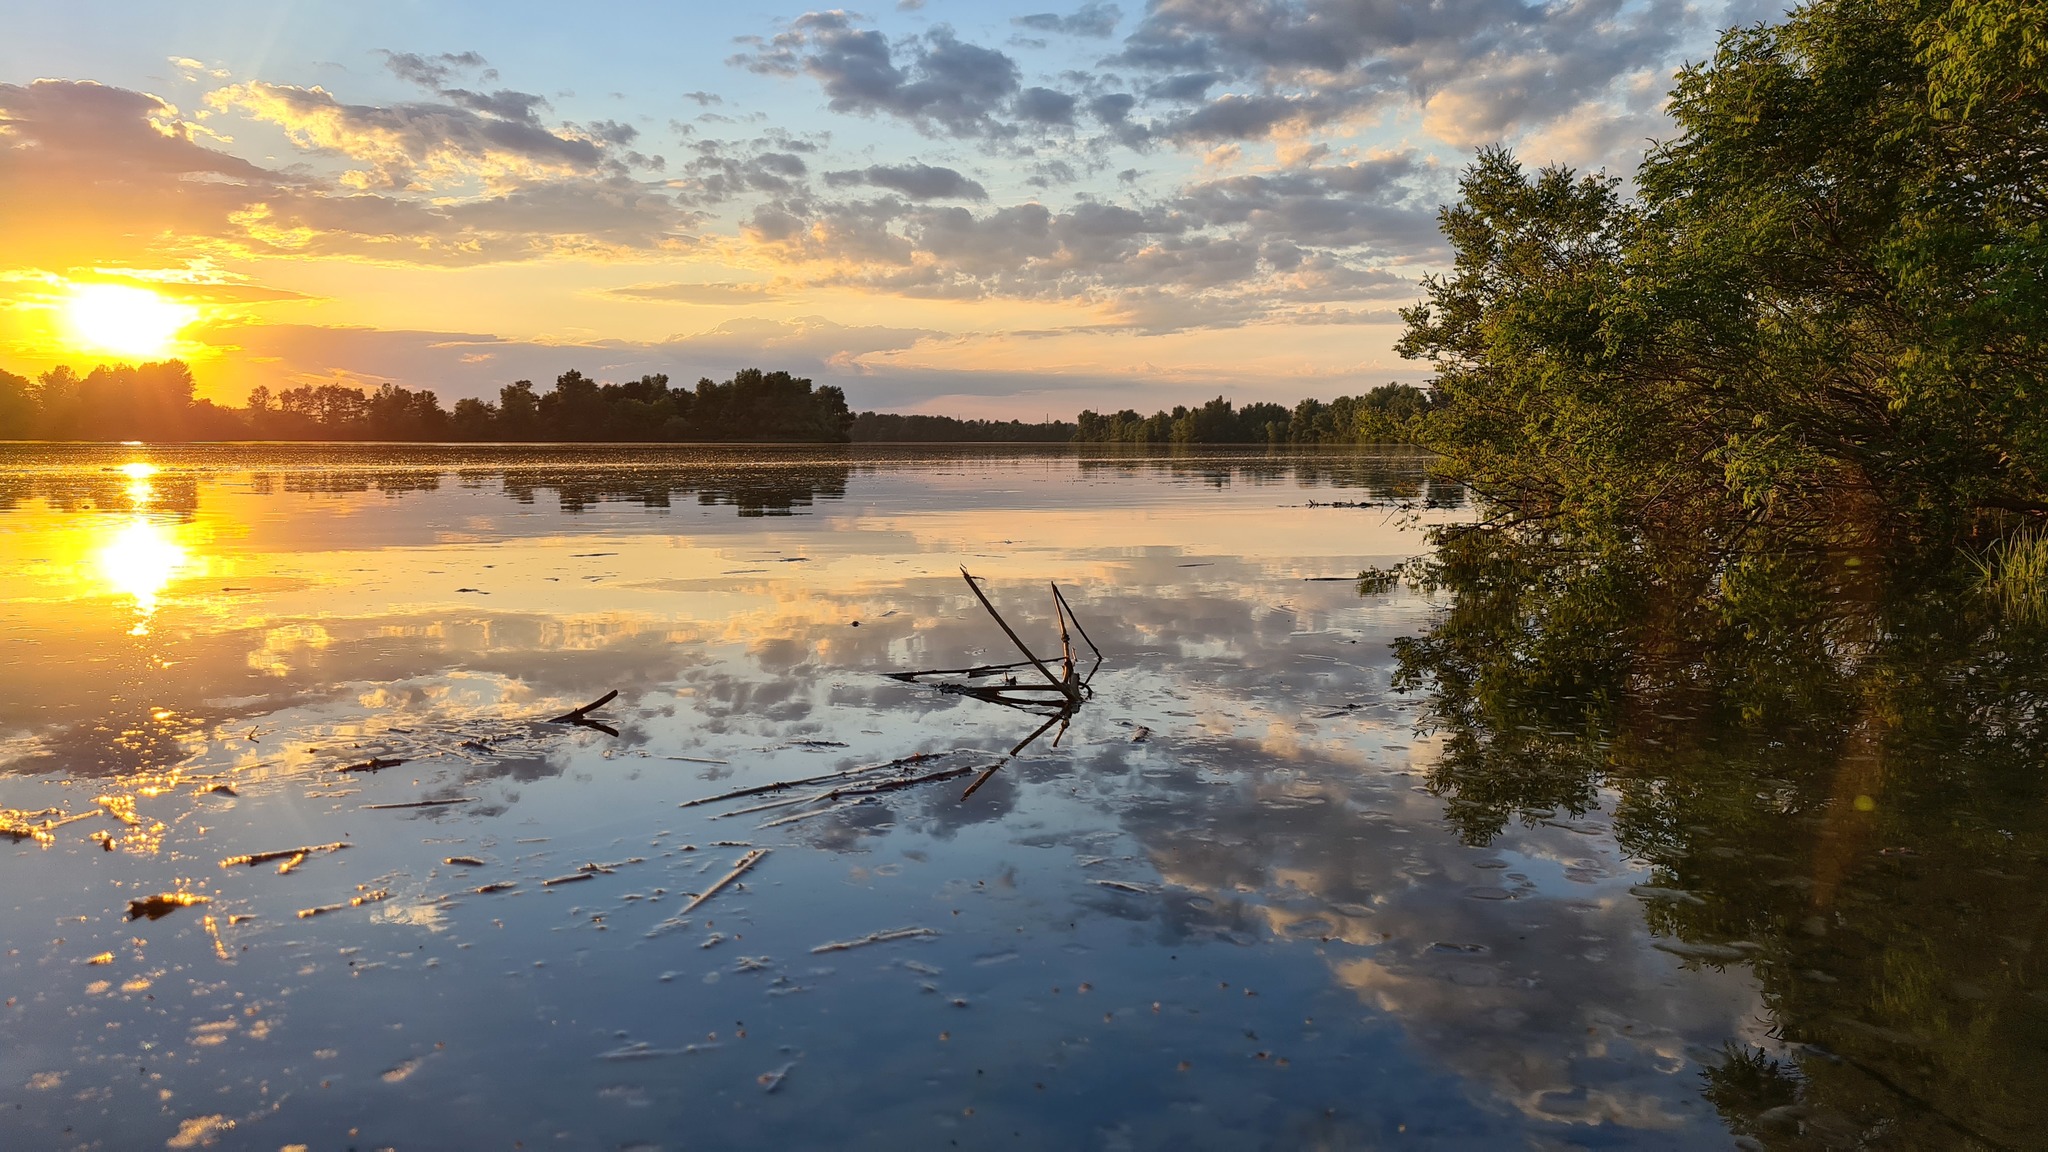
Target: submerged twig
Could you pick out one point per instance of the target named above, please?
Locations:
(874, 938)
(738, 869)
(777, 786)
(255, 858)
(357, 902)
(845, 790)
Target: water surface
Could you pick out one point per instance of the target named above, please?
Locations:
(1229, 908)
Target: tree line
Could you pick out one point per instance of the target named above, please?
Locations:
(1389, 414)
(158, 401)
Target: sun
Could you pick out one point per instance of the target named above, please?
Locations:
(124, 321)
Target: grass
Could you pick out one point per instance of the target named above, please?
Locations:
(2014, 572)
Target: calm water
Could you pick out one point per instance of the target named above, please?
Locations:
(1245, 901)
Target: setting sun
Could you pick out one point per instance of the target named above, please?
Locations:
(125, 321)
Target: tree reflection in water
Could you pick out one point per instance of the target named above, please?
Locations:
(1831, 760)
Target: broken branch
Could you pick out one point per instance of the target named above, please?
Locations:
(255, 858)
(578, 715)
(738, 869)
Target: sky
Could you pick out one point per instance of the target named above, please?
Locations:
(989, 209)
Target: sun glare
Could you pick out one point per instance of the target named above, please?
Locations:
(139, 561)
(124, 321)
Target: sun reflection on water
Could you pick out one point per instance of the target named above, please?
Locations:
(139, 561)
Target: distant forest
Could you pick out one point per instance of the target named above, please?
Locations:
(158, 402)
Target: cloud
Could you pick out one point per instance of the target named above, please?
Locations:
(431, 72)
(917, 181)
(414, 146)
(103, 175)
(1093, 19)
(944, 85)
(1245, 248)
(698, 293)
(1485, 67)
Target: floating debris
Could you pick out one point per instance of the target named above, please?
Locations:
(779, 785)
(770, 1081)
(1125, 886)
(121, 808)
(102, 958)
(883, 937)
(420, 804)
(163, 904)
(495, 886)
(358, 902)
(641, 1050)
(373, 764)
(581, 716)
(255, 858)
(464, 861)
(739, 868)
(18, 825)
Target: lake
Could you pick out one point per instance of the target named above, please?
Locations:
(1249, 893)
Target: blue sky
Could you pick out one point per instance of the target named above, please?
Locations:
(992, 208)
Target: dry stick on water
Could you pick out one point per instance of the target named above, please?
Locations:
(578, 715)
(255, 858)
(874, 938)
(1065, 689)
(1061, 598)
(977, 670)
(745, 862)
(855, 790)
(358, 902)
(419, 804)
(779, 785)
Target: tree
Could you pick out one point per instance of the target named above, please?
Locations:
(1833, 286)
(20, 407)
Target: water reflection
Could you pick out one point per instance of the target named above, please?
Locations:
(1240, 903)
(1830, 761)
(139, 561)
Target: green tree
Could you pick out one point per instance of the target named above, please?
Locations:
(1833, 286)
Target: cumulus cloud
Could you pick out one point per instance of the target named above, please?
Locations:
(1481, 70)
(432, 71)
(916, 181)
(413, 146)
(943, 85)
(100, 174)
(1093, 19)
(1245, 248)
(1485, 67)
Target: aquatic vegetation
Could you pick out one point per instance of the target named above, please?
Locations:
(2014, 573)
